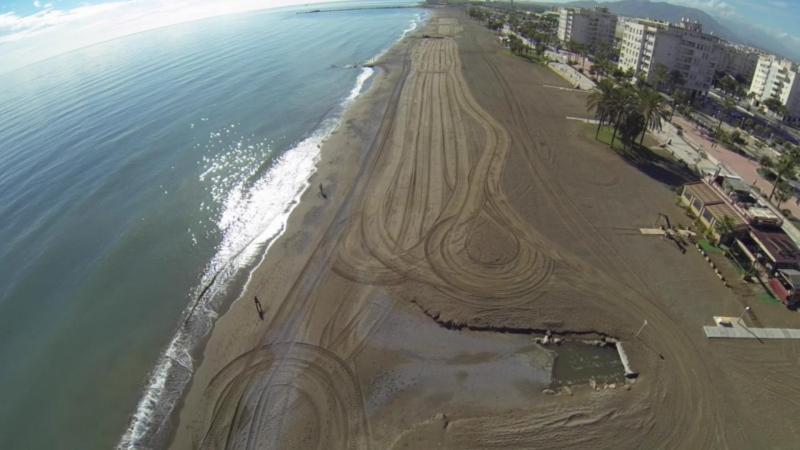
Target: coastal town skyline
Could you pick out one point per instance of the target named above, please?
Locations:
(32, 31)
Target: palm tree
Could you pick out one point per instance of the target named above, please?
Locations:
(602, 67)
(725, 227)
(599, 101)
(651, 107)
(622, 103)
(784, 192)
(728, 84)
(675, 80)
(678, 98)
(660, 75)
(728, 105)
(632, 125)
(783, 167)
(775, 105)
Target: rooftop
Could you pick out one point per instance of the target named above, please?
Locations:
(778, 246)
(704, 192)
(791, 275)
(721, 210)
(736, 184)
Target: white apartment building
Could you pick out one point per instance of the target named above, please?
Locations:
(777, 77)
(738, 61)
(684, 47)
(589, 27)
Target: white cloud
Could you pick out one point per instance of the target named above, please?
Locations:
(14, 28)
(719, 7)
(50, 31)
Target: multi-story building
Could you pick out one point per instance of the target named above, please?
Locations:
(683, 47)
(738, 61)
(777, 78)
(619, 30)
(590, 27)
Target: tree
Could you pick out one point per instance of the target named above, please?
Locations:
(651, 108)
(622, 76)
(633, 123)
(599, 101)
(784, 192)
(678, 98)
(728, 105)
(602, 66)
(675, 80)
(622, 104)
(725, 227)
(494, 24)
(783, 168)
(775, 105)
(729, 85)
(660, 75)
(579, 49)
(517, 46)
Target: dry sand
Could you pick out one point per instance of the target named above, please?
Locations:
(457, 191)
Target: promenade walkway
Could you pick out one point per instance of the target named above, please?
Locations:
(751, 333)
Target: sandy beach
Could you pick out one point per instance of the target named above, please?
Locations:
(458, 198)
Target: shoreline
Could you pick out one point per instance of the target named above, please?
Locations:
(179, 362)
(472, 195)
(358, 108)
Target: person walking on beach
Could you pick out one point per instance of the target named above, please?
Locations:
(259, 309)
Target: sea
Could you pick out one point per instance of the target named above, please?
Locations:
(141, 180)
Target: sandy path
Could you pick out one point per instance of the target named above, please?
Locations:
(471, 197)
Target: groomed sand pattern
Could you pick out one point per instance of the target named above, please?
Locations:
(436, 190)
(346, 360)
(257, 391)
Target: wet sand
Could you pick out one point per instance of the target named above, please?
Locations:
(458, 194)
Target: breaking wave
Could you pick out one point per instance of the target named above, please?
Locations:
(254, 210)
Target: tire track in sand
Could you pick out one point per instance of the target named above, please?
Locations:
(403, 231)
(691, 399)
(255, 392)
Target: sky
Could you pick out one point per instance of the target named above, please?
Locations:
(778, 18)
(34, 30)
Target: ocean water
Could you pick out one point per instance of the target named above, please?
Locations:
(140, 180)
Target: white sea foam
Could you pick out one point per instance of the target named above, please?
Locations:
(252, 216)
(366, 72)
(418, 19)
(413, 26)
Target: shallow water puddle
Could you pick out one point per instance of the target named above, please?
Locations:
(578, 363)
(415, 362)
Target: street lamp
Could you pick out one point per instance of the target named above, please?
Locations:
(644, 324)
(746, 310)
